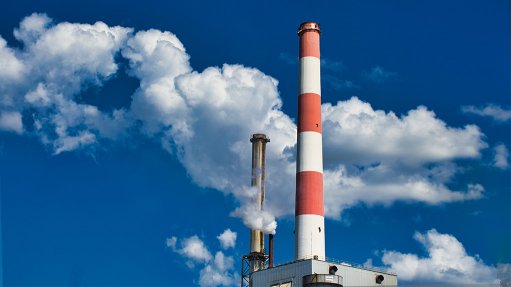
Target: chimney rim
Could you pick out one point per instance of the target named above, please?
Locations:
(308, 26)
(259, 137)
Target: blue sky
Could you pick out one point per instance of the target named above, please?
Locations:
(125, 153)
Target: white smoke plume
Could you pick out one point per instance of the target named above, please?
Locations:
(206, 118)
(251, 213)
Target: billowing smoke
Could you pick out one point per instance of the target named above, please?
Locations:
(250, 211)
(206, 118)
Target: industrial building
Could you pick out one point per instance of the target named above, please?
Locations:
(309, 267)
(312, 272)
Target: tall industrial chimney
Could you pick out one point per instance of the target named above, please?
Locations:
(258, 257)
(309, 212)
(306, 270)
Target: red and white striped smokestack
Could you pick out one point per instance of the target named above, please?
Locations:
(309, 213)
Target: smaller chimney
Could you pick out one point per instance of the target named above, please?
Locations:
(257, 257)
(258, 173)
(270, 251)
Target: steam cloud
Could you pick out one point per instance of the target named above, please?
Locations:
(250, 211)
(402, 158)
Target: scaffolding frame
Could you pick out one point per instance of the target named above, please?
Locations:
(247, 263)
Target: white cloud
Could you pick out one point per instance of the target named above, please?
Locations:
(68, 55)
(11, 121)
(216, 271)
(493, 111)
(206, 119)
(504, 274)
(67, 142)
(501, 156)
(171, 242)
(447, 262)
(12, 67)
(375, 157)
(227, 239)
(32, 27)
(226, 105)
(219, 273)
(46, 78)
(67, 125)
(385, 185)
(62, 60)
(12, 74)
(368, 263)
(356, 133)
(192, 248)
(378, 74)
(157, 58)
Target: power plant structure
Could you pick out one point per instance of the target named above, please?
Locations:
(310, 267)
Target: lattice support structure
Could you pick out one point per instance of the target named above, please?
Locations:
(249, 264)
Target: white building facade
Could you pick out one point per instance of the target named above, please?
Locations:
(312, 272)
